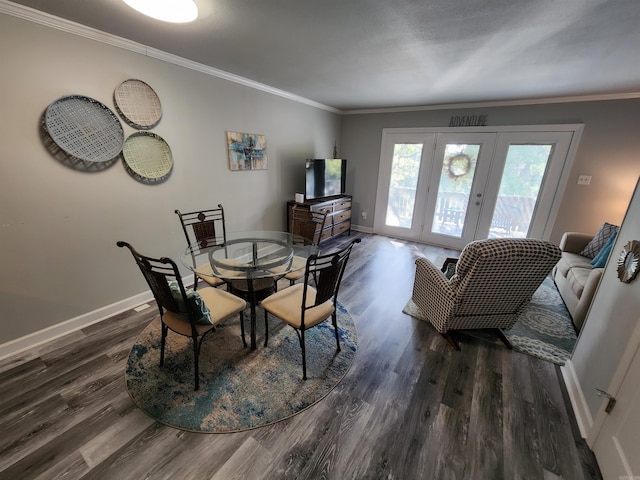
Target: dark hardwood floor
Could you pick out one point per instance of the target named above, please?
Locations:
(409, 408)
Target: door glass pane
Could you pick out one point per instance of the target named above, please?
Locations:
(521, 180)
(405, 167)
(456, 179)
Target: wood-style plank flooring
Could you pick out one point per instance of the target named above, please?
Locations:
(409, 408)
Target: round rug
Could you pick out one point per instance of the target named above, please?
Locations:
(240, 388)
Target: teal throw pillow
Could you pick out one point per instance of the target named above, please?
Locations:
(450, 271)
(203, 315)
(600, 260)
(599, 240)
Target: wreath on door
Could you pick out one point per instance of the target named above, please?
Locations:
(459, 165)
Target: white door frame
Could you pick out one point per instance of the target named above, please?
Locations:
(385, 168)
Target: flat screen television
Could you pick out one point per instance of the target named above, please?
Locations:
(325, 177)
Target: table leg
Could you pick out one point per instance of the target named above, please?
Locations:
(253, 290)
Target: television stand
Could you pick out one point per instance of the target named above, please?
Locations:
(338, 210)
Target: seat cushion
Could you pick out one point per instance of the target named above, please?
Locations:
(180, 325)
(577, 279)
(287, 305)
(221, 304)
(211, 305)
(205, 273)
(296, 270)
(572, 260)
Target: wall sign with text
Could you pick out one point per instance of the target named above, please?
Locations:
(468, 121)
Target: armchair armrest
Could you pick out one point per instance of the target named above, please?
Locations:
(574, 242)
(433, 294)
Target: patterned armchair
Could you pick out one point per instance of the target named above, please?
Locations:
(494, 281)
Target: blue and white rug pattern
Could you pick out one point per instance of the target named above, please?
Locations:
(240, 389)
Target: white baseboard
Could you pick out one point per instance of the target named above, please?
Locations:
(578, 402)
(362, 229)
(45, 335)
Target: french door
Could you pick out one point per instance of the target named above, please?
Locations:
(452, 187)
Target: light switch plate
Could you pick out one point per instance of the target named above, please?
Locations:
(584, 179)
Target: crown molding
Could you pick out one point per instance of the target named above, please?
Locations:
(51, 21)
(36, 16)
(502, 103)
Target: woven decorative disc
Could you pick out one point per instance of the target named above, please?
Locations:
(84, 128)
(147, 155)
(138, 104)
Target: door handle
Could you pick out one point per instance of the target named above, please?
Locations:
(611, 403)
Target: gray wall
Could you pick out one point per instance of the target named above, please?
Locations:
(609, 151)
(59, 226)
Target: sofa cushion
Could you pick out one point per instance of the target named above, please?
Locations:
(577, 278)
(572, 260)
(599, 240)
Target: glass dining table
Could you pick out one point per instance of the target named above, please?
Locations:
(250, 263)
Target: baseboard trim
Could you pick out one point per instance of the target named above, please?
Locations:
(53, 332)
(578, 401)
(359, 228)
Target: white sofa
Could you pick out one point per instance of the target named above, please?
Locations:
(575, 277)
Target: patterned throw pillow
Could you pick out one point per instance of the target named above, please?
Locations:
(203, 315)
(599, 240)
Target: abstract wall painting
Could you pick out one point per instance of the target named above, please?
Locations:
(247, 151)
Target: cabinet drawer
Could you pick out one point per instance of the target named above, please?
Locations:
(341, 216)
(322, 209)
(342, 227)
(342, 205)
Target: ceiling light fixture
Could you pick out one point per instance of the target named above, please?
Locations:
(175, 11)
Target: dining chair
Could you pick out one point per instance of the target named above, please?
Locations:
(306, 229)
(204, 228)
(184, 311)
(303, 305)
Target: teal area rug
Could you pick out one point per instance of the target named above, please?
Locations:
(240, 389)
(544, 329)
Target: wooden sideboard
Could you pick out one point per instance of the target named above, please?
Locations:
(338, 210)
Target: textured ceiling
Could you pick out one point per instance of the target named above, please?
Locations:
(364, 54)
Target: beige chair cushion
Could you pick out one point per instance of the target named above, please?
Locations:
(221, 305)
(205, 273)
(296, 271)
(287, 305)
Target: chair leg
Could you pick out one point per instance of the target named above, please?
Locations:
(244, 340)
(334, 318)
(195, 282)
(304, 356)
(504, 338)
(452, 341)
(163, 337)
(196, 354)
(266, 328)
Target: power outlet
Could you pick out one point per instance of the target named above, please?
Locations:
(584, 179)
(364, 215)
